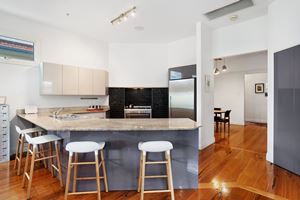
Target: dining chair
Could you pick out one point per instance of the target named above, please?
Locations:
(217, 118)
(226, 120)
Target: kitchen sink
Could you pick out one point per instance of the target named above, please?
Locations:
(66, 117)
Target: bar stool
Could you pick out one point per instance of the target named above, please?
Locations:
(20, 145)
(32, 150)
(155, 147)
(85, 147)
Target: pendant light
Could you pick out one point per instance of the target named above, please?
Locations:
(224, 67)
(217, 71)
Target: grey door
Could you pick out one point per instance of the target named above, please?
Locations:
(182, 98)
(286, 109)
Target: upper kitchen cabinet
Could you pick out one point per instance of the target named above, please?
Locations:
(85, 81)
(70, 80)
(100, 82)
(52, 79)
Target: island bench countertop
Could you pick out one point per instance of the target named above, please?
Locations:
(96, 124)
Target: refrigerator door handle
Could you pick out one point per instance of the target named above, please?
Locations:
(170, 107)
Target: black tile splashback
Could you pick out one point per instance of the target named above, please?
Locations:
(138, 96)
(116, 102)
(158, 98)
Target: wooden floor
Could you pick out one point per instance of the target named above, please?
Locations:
(235, 165)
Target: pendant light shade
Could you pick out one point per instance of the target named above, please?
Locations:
(224, 67)
(217, 71)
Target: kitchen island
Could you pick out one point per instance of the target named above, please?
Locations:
(121, 152)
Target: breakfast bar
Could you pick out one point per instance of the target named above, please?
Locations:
(121, 150)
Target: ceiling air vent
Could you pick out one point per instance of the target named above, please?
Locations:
(242, 4)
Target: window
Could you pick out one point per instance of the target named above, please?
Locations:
(16, 49)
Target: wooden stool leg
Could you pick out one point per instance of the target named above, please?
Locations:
(167, 169)
(143, 175)
(75, 172)
(68, 175)
(43, 155)
(140, 172)
(97, 175)
(170, 177)
(58, 164)
(26, 165)
(31, 171)
(104, 171)
(51, 159)
(17, 152)
(21, 155)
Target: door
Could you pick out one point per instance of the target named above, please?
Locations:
(100, 82)
(51, 79)
(182, 98)
(70, 80)
(85, 81)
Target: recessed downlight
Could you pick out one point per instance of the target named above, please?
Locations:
(67, 14)
(139, 28)
(234, 17)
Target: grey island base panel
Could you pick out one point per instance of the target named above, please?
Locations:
(122, 158)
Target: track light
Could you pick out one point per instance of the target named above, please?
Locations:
(124, 16)
(217, 71)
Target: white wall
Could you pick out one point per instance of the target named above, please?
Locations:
(255, 103)
(205, 96)
(138, 65)
(20, 83)
(229, 95)
(241, 38)
(182, 52)
(283, 32)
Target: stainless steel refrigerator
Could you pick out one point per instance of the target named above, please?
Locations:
(182, 97)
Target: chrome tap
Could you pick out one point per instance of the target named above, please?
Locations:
(57, 112)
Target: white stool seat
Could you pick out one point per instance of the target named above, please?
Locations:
(84, 146)
(155, 146)
(31, 130)
(42, 139)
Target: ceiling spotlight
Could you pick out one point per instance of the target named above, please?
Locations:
(124, 16)
(224, 68)
(133, 13)
(217, 71)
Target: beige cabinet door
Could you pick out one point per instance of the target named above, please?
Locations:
(85, 81)
(99, 82)
(51, 79)
(70, 80)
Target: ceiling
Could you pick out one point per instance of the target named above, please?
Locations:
(163, 20)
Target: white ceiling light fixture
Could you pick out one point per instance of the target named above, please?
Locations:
(223, 69)
(124, 16)
(217, 71)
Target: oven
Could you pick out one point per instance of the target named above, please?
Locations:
(136, 112)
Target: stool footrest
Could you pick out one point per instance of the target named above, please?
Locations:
(88, 178)
(83, 163)
(157, 191)
(79, 193)
(44, 158)
(156, 162)
(157, 176)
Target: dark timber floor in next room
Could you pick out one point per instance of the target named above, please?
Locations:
(237, 160)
